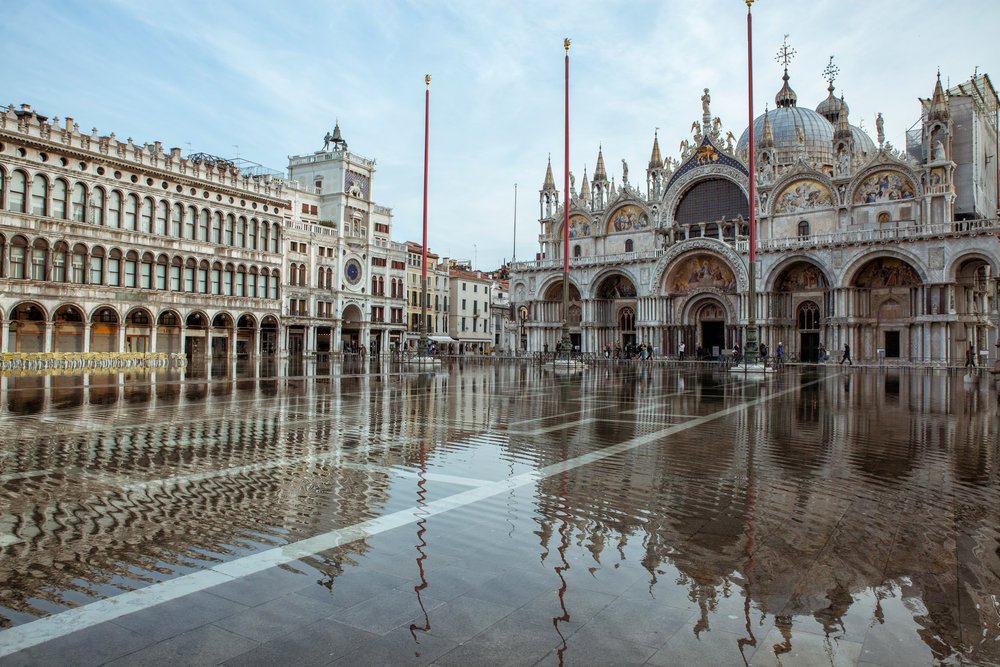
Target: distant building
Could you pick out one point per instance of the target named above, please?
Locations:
(470, 322)
(438, 282)
(894, 253)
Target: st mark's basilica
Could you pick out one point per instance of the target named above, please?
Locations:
(892, 251)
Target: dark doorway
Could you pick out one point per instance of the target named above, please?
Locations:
(713, 337)
(575, 339)
(809, 347)
(628, 340)
(194, 348)
(296, 341)
(220, 346)
(892, 345)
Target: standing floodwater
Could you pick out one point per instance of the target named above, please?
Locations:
(493, 514)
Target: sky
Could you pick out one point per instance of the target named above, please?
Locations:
(265, 80)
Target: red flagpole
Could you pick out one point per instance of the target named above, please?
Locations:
(423, 272)
(566, 193)
(752, 146)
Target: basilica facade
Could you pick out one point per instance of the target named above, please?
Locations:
(892, 252)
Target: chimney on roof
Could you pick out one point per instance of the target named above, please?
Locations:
(26, 108)
(175, 153)
(69, 124)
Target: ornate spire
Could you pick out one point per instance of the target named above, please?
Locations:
(600, 174)
(843, 130)
(550, 183)
(655, 161)
(766, 134)
(585, 187)
(939, 103)
(786, 97)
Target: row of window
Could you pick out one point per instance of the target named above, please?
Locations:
(59, 199)
(82, 266)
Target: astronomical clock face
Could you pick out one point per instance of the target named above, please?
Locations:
(352, 271)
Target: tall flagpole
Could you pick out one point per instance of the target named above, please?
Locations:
(423, 271)
(566, 346)
(751, 341)
(513, 256)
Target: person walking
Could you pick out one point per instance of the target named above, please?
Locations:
(970, 358)
(847, 355)
(680, 351)
(779, 355)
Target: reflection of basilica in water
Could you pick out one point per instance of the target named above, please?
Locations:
(858, 243)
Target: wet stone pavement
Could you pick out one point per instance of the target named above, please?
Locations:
(495, 514)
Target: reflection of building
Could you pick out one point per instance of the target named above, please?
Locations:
(109, 246)
(858, 243)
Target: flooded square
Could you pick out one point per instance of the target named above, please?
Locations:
(495, 513)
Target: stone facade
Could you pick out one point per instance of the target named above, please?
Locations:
(858, 244)
(111, 246)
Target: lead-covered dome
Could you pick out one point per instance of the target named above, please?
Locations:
(786, 123)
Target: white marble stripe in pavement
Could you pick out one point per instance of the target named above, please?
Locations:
(59, 625)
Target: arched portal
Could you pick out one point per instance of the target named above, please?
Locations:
(614, 311)
(708, 318)
(350, 336)
(973, 282)
(168, 332)
(196, 337)
(246, 335)
(67, 332)
(800, 287)
(222, 330)
(27, 328)
(104, 330)
(138, 330)
(882, 296)
(268, 335)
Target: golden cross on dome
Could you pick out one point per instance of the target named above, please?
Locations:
(831, 72)
(785, 54)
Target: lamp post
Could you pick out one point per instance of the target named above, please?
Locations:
(751, 339)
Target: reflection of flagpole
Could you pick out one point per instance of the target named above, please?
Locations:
(751, 342)
(423, 271)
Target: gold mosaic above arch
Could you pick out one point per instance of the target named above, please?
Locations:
(803, 195)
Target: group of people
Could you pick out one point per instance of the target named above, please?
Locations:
(630, 351)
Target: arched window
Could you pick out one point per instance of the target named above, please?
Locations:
(131, 213)
(39, 258)
(162, 211)
(253, 234)
(241, 233)
(2, 191)
(884, 217)
(115, 209)
(162, 269)
(374, 285)
(230, 224)
(227, 280)
(131, 268)
(241, 281)
(274, 285)
(190, 268)
(264, 235)
(203, 225)
(808, 318)
(18, 256)
(16, 201)
(146, 271)
(577, 250)
(146, 216)
(39, 195)
(252, 282)
(176, 271)
(177, 221)
(626, 320)
(203, 277)
(78, 270)
(189, 217)
(59, 194)
(217, 278)
(114, 268)
(217, 228)
(59, 255)
(78, 204)
(262, 284)
(302, 275)
(96, 267)
(320, 274)
(97, 206)
(803, 229)
(628, 245)
(274, 238)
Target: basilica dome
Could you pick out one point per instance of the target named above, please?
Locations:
(788, 122)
